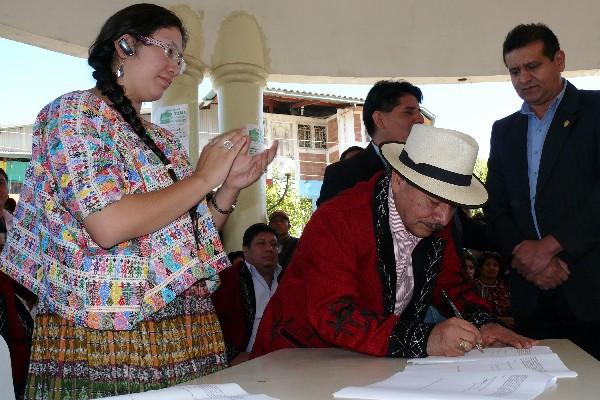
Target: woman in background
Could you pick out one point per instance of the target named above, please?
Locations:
(469, 264)
(490, 284)
(112, 231)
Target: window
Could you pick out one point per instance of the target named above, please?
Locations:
(312, 137)
(320, 137)
(283, 133)
(14, 187)
(304, 136)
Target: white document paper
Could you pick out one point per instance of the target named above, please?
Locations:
(229, 391)
(546, 363)
(483, 386)
(488, 352)
(495, 373)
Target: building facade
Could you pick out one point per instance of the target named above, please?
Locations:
(312, 130)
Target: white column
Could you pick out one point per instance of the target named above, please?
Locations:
(239, 77)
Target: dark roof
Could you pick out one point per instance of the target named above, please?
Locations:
(299, 94)
(289, 95)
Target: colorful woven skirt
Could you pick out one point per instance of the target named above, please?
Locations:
(180, 343)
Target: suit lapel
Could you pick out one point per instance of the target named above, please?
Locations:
(386, 260)
(248, 297)
(374, 161)
(426, 262)
(560, 128)
(519, 141)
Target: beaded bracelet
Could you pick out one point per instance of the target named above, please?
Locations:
(216, 207)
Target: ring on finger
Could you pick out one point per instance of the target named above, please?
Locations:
(228, 144)
(463, 346)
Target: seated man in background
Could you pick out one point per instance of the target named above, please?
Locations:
(235, 257)
(280, 222)
(10, 205)
(367, 263)
(245, 290)
(351, 152)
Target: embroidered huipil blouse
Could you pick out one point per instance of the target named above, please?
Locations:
(85, 157)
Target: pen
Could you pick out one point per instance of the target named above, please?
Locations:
(457, 314)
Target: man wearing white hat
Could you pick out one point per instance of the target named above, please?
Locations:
(366, 265)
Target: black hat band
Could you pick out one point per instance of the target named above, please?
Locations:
(435, 172)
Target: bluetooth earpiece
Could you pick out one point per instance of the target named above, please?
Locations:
(125, 47)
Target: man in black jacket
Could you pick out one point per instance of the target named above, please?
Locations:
(390, 110)
(544, 187)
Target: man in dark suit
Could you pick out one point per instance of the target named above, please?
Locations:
(245, 290)
(390, 110)
(544, 187)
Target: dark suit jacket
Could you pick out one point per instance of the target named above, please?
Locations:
(235, 306)
(567, 200)
(345, 174)
(288, 247)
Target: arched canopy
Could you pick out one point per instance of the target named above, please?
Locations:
(425, 41)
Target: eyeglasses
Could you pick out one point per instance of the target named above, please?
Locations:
(170, 51)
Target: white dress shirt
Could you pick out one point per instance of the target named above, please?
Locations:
(262, 295)
(404, 244)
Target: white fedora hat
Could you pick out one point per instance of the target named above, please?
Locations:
(440, 162)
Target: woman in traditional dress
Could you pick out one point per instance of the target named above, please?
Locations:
(113, 232)
(490, 284)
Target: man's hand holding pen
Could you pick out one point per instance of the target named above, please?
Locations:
(463, 344)
(453, 337)
(456, 336)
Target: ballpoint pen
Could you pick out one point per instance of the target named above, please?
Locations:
(457, 314)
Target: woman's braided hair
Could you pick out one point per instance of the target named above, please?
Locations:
(135, 20)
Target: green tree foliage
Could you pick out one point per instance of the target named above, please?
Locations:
(297, 208)
(481, 169)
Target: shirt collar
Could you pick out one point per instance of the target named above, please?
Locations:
(397, 227)
(255, 272)
(378, 152)
(527, 110)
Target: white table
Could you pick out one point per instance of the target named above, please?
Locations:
(294, 374)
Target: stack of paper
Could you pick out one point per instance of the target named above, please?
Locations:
(226, 391)
(495, 373)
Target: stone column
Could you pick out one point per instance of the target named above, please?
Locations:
(184, 89)
(239, 76)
